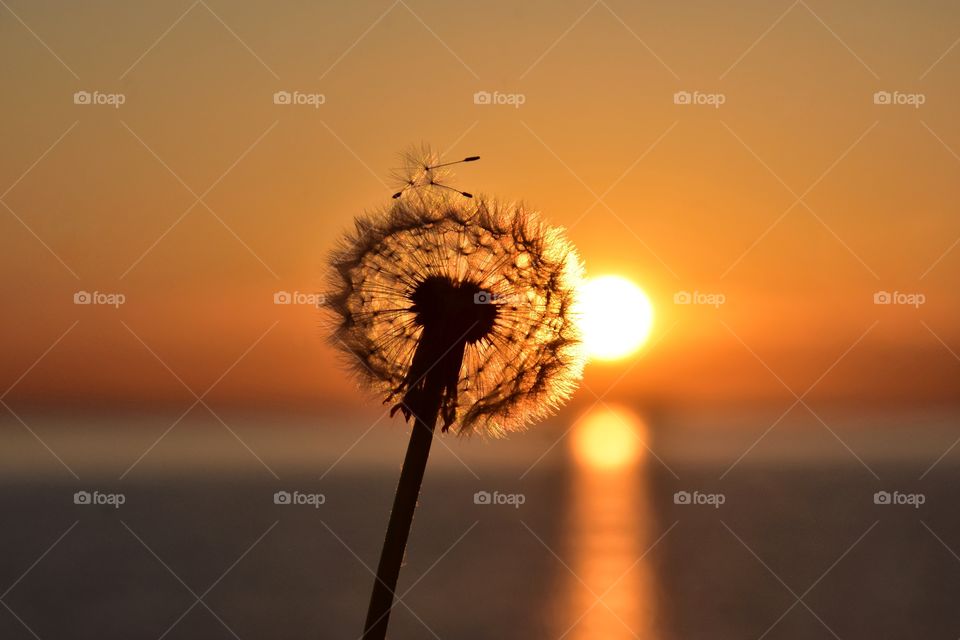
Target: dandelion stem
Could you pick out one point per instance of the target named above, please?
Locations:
(401, 517)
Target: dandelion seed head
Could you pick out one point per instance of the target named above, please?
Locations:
(487, 280)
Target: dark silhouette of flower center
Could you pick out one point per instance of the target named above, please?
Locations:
(453, 314)
(455, 310)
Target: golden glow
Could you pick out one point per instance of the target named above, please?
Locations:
(608, 438)
(607, 533)
(615, 316)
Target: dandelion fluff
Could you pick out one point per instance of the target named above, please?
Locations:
(459, 311)
(488, 284)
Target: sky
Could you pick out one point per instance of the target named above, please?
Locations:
(739, 153)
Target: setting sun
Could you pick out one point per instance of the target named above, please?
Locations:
(616, 317)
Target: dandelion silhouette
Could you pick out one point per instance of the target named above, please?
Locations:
(458, 310)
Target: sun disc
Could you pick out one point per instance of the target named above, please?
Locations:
(616, 317)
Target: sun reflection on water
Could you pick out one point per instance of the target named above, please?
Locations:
(611, 595)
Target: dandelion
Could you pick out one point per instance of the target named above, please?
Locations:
(454, 309)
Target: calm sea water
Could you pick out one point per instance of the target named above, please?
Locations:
(777, 548)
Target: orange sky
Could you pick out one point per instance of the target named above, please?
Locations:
(692, 197)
